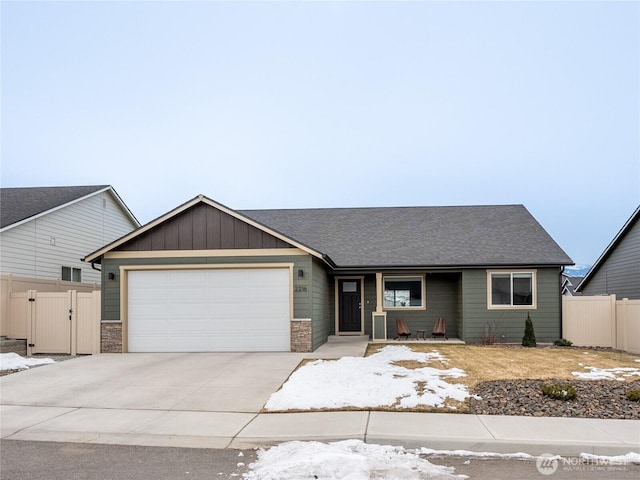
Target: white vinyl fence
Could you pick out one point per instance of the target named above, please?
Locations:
(602, 321)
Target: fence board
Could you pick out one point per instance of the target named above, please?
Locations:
(628, 325)
(88, 323)
(18, 308)
(589, 321)
(602, 321)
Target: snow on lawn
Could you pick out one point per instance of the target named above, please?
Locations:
(13, 361)
(344, 460)
(368, 382)
(595, 373)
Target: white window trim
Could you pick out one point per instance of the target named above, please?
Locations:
(72, 271)
(534, 293)
(423, 286)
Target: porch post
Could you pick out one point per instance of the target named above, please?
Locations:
(379, 317)
(378, 292)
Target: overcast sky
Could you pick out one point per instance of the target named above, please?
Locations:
(332, 104)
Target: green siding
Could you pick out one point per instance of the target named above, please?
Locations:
(510, 322)
(322, 306)
(302, 307)
(443, 300)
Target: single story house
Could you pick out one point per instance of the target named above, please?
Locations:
(205, 277)
(617, 270)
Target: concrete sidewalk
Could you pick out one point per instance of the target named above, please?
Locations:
(480, 433)
(214, 401)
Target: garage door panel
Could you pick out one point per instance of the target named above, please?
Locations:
(209, 310)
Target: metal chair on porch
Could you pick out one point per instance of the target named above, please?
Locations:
(401, 329)
(440, 328)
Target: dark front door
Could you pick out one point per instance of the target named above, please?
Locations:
(349, 305)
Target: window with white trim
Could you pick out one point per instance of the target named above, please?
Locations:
(404, 292)
(71, 274)
(512, 289)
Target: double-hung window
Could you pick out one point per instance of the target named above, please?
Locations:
(404, 292)
(516, 289)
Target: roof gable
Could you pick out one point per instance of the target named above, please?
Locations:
(19, 205)
(200, 224)
(202, 227)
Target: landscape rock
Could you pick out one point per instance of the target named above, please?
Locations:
(595, 399)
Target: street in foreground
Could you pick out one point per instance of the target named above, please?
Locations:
(22, 460)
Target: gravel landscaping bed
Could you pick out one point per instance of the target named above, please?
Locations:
(594, 399)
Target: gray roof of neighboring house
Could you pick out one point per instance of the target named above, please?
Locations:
(570, 283)
(18, 204)
(626, 228)
(419, 236)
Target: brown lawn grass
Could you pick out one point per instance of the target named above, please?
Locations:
(500, 362)
(487, 363)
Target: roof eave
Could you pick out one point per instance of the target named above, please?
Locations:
(605, 254)
(64, 205)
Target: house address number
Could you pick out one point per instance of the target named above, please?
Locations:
(300, 288)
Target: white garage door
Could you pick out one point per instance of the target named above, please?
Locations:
(209, 310)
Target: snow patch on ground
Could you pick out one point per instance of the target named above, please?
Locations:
(345, 460)
(356, 460)
(595, 373)
(13, 361)
(374, 381)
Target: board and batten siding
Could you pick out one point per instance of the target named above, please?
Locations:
(509, 323)
(619, 273)
(41, 247)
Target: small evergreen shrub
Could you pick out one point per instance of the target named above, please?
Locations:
(559, 392)
(529, 339)
(563, 343)
(633, 395)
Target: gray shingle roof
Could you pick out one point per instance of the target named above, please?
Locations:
(419, 236)
(17, 204)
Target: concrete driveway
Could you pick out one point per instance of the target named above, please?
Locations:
(202, 400)
(214, 382)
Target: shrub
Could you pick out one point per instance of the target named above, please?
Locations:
(633, 395)
(529, 339)
(563, 343)
(490, 334)
(559, 391)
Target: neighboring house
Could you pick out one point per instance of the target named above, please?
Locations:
(569, 285)
(204, 277)
(46, 231)
(617, 270)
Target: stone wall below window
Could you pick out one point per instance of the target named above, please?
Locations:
(301, 335)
